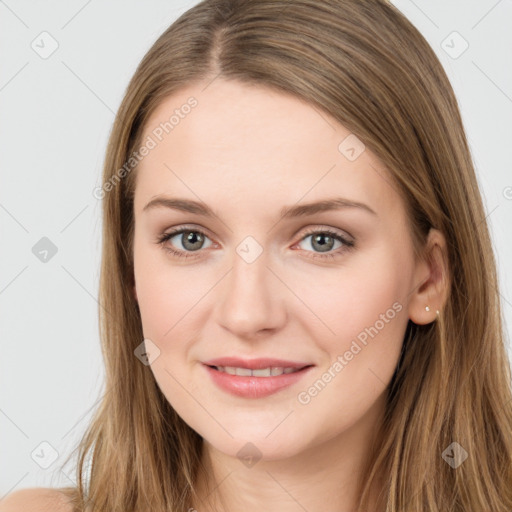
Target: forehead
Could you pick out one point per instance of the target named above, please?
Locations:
(249, 146)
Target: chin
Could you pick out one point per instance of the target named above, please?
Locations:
(252, 447)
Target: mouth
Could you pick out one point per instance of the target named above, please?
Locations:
(271, 371)
(258, 379)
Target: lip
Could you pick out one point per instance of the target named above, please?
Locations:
(254, 364)
(255, 387)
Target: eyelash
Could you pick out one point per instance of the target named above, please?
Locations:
(348, 244)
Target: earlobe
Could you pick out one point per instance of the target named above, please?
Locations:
(428, 300)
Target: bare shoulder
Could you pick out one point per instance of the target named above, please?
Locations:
(37, 499)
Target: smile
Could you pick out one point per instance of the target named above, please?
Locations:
(257, 382)
(262, 372)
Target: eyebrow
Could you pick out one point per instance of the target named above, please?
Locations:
(302, 210)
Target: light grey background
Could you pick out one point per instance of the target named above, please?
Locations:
(56, 114)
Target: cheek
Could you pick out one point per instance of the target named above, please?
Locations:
(367, 318)
(365, 311)
(166, 294)
(166, 297)
(362, 300)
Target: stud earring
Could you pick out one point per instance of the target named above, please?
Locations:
(427, 308)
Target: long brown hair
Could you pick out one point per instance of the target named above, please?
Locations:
(365, 64)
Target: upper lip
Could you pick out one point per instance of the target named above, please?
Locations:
(255, 364)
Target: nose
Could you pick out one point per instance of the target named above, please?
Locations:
(251, 299)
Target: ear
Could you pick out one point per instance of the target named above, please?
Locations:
(432, 274)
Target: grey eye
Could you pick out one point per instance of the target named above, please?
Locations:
(190, 239)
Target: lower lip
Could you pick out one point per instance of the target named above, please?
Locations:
(254, 387)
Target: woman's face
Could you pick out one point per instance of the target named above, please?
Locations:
(253, 282)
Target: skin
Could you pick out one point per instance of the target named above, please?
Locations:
(247, 152)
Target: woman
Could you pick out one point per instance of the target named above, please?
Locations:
(300, 301)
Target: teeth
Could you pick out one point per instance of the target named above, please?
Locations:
(263, 372)
(243, 372)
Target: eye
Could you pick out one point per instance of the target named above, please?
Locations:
(192, 241)
(324, 240)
